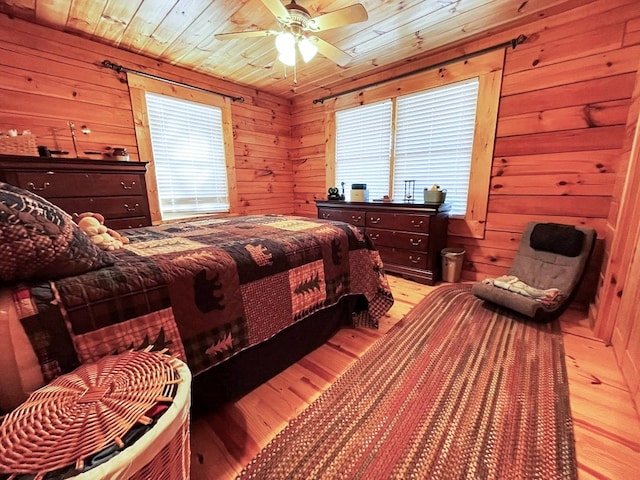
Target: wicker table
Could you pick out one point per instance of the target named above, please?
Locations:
(91, 409)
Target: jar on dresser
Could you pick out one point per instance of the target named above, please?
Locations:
(115, 189)
(408, 236)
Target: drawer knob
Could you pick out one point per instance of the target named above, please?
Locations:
(356, 218)
(33, 187)
(127, 187)
(374, 236)
(326, 215)
(131, 209)
(417, 224)
(414, 260)
(415, 243)
(375, 220)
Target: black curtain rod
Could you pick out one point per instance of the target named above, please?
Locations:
(120, 68)
(513, 43)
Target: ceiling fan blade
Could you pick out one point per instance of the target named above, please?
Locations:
(330, 51)
(277, 9)
(247, 34)
(344, 16)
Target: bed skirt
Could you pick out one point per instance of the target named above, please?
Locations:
(252, 367)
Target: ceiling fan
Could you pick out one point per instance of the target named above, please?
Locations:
(298, 27)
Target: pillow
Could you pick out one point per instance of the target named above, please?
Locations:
(564, 240)
(40, 241)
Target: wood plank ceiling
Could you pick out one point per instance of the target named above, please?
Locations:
(181, 32)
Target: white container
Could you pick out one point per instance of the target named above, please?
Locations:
(359, 192)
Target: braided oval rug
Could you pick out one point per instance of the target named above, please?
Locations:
(462, 390)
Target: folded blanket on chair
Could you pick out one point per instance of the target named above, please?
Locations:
(549, 297)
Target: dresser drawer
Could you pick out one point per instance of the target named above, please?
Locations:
(52, 184)
(398, 221)
(109, 207)
(380, 237)
(122, 223)
(406, 258)
(393, 238)
(354, 217)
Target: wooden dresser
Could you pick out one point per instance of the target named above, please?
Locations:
(115, 189)
(409, 237)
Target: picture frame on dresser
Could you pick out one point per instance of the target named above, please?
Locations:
(409, 236)
(116, 189)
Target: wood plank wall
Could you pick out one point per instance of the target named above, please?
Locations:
(615, 310)
(49, 77)
(561, 124)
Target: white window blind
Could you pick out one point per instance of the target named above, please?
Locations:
(434, 141)
(363, 147)
(189, 157)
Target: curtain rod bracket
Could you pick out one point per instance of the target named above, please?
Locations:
(517, 41)
(113, 66)
(513, 43)
(120, 69)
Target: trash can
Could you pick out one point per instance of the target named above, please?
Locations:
(452, 259)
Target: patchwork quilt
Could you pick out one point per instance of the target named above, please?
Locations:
(204, 290)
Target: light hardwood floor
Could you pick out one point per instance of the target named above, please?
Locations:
(606, 425)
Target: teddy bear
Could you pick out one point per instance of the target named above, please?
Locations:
(105, 238)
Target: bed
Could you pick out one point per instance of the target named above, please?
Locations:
(237, 299)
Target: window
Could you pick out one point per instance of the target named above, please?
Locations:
(479, 77)
(189, 156)
(433, 142)
(193, 131)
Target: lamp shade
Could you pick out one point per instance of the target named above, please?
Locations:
(286, 46)
(307, 49)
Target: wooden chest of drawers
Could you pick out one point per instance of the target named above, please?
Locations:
(115, 189)
(409, 237)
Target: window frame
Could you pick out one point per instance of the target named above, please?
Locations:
(138, 86)
(488, 69)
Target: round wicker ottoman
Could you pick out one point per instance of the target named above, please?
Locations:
(74, 420)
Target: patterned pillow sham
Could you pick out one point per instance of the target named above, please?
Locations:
(40, 241)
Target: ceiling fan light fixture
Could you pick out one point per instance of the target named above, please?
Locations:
(307, 49)
(298, 28)
(286, 46)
